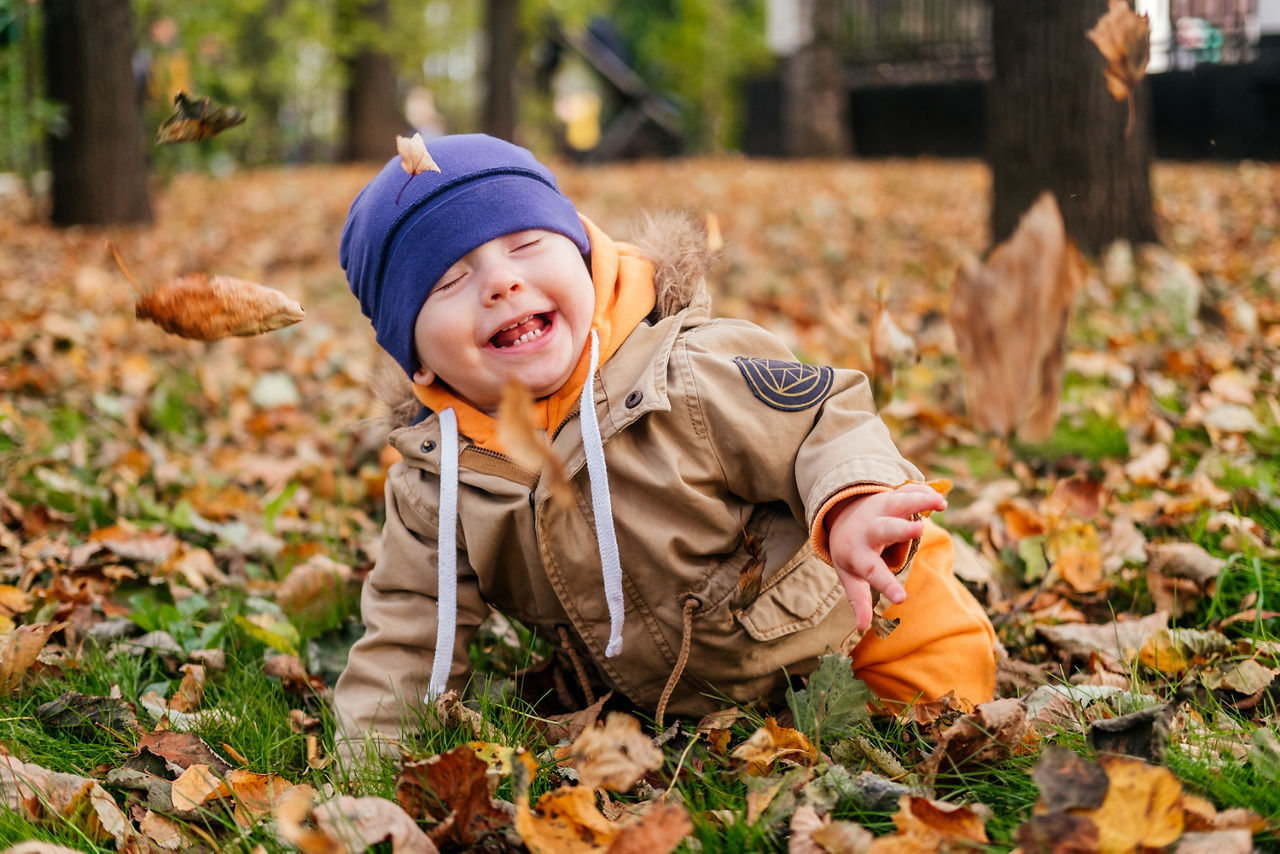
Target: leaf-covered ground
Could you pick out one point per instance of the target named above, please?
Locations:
(183, 526)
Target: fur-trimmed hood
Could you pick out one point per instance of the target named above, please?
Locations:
(676, 244)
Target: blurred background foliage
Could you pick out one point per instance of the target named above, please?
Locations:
(284, 63)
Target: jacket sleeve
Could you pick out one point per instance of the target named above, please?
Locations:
(807, 451)
(380, 693)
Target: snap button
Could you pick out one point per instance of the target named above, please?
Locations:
(633, 399)
(428, 446)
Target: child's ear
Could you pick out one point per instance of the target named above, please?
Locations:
(424, 376)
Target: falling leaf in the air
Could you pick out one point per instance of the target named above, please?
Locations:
(1009, 316)
(522, 443)
(195, 118)
(414, 158)
(207, 308)
(1124, 40)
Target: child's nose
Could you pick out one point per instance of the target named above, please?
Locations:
(501, 290)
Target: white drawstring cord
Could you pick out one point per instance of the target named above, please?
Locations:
(601, 505)
(446, 557)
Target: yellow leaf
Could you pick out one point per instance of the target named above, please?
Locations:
(772, 743)
(1142, 809)
(19, 649)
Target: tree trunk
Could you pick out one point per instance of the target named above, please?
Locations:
(815, 118)
(1051, 125)
(372, 98)
(500, 73)
(99, 169)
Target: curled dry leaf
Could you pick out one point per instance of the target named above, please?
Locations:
(1124, 40)
(772, 743)
(453, 789)
(19, 649)
(994, 731)
(614, 756)
(948, 823)
(357, 824)
(50, 797)
(195, 118)
(206, 309)
(1009, 316)
(522, 443)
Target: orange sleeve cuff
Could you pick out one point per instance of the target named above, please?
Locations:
(818, 530)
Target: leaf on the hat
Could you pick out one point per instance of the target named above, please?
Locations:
(195, 118)
(414, 157)
(206, 308)
(521, 442)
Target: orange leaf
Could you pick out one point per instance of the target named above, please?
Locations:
(206, 309)
(522, 443)
(772, 743)
(1124, 40)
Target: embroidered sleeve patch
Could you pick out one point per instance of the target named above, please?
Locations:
(788, 386)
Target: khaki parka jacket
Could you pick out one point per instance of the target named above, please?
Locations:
(720, 447)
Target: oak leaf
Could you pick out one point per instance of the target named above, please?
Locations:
(1009, 316)
(992, 732)
(195, 118)
(1124, 40)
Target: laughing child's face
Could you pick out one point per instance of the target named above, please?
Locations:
(518, 307)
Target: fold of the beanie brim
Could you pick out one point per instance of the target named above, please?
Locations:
(448, 227)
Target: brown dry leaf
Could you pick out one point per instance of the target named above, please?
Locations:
(453, 714)
(19, 649)
(452, 788)
(355, 824)
(414, 157)
(992, 732)
(162, 832)
(814, 834)
(1059, 833)
(315, 588)
(1185, 560)
(1009, 316)
(181, 750)
(771, 743)
(255, 794)
(1075, 554)
(658, 829)
(616, 755)
(197, 786)
(522, 443)
(1216, 842)
(949, 823)
(891, 348)
(1068, 782)
(1178, 650)
(566, 818)
(1116, 644)
(204, 308)
(44, 796)
(1142, 809)
(195, 118)
(291, 813)
(190, 690)
(1124, 40)
(290, 671)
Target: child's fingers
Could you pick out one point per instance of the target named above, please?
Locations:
(913, 498)
(886, 531)
(859, 594)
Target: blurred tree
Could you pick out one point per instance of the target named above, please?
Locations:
(815, 122)
(1052, 126)
(99, 170)
(698, 51)
(372, 99)
(502, 44)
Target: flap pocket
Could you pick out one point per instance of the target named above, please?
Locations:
(799, 596)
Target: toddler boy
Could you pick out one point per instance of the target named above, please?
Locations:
(733, 509)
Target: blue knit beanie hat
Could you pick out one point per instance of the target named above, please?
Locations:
(400, 237)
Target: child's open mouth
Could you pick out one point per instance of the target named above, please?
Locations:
(521, 332)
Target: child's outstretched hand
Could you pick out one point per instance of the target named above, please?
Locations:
(862, 528)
